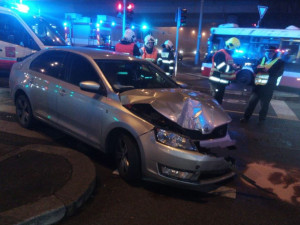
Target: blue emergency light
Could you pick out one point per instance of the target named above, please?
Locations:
(144, 27)
(21, 7)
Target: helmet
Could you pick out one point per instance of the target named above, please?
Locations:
(129, 35)
(232, 43)
(270, 49)
(149, 38)
(168, 44)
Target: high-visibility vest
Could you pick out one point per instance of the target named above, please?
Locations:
(152, 56)
(261, 78)
(125, 48)
(226, 76)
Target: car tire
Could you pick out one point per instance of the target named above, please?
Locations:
(24, 111)
(127, 158)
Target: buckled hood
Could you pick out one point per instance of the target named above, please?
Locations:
(189, 109)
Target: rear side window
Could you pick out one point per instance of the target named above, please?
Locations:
(13, 32)
(81, 70)
(50, 63)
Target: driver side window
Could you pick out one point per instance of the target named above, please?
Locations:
(81, 70)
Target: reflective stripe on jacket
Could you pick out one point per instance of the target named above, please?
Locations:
(223, 71)
(125, 48)
(152, 56)
(261, 78)
(167, 62)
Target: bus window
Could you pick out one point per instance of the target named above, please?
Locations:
(44, 31)
(13, 32)
(290, 52)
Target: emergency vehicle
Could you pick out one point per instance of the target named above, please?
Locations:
(103, 32)
(22, 34)
(253, 42)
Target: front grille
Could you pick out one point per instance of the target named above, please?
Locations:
(204, 175)
(218, 132)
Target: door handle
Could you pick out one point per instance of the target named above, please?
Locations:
(62, 92)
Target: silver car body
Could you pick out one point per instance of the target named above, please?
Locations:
(91, 117)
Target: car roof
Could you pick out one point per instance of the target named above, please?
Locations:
(95, 53)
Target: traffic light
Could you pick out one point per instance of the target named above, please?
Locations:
(129, 12)
(130, 7)
(120, 7)
(183, 15)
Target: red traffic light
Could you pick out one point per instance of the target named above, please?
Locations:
(119, 7)
(130, 7)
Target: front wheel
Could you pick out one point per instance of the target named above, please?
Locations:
(24, 111)
(127, 158)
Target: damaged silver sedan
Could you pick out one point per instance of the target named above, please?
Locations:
(127, 107)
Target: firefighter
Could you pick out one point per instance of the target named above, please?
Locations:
(149, 52)
(268, 70)
(166, 60)
(223, 69)
(127, 44)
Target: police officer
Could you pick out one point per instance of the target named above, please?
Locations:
(166, 60)
(127, 44)
(223, 69)
(268, 70)
(149, 52)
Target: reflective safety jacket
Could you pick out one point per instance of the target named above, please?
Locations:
(166, 61)
(149, 56)
(223, 68)
(125, 48)
(262, 76)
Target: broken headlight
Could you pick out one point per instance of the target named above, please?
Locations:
(174, 140)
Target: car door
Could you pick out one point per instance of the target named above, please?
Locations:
(80, 112)
(15, 41)
(46, 72)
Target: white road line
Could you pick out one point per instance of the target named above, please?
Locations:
(8, 108)
(15, 128)
(283, 111)
(4, 90)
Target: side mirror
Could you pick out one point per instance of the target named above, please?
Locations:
(90, 86)
(181, 84)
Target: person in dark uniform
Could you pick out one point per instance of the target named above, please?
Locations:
(166, 60)
(127, 44)
(268, 70)
(223, 69)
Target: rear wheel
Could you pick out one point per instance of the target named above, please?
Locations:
(127, 158)
(24, 111)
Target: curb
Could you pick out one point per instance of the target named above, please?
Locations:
(64, 202)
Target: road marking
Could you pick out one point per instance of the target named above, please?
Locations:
(283, 111)
(8, 108)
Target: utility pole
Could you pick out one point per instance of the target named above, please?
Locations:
(197, 56)
(177, 38)
(124, 16)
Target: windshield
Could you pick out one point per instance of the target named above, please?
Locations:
(125, 75)
(43, 30)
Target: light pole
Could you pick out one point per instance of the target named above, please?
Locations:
(124, 16)
(197, 56)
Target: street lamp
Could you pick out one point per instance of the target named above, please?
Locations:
(199, 34)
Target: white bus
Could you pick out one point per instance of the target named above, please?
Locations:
(22, 34)
(253, 43)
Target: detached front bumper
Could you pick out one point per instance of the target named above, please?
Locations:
(183, 167)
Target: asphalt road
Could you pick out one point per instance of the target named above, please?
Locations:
(267, 154)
